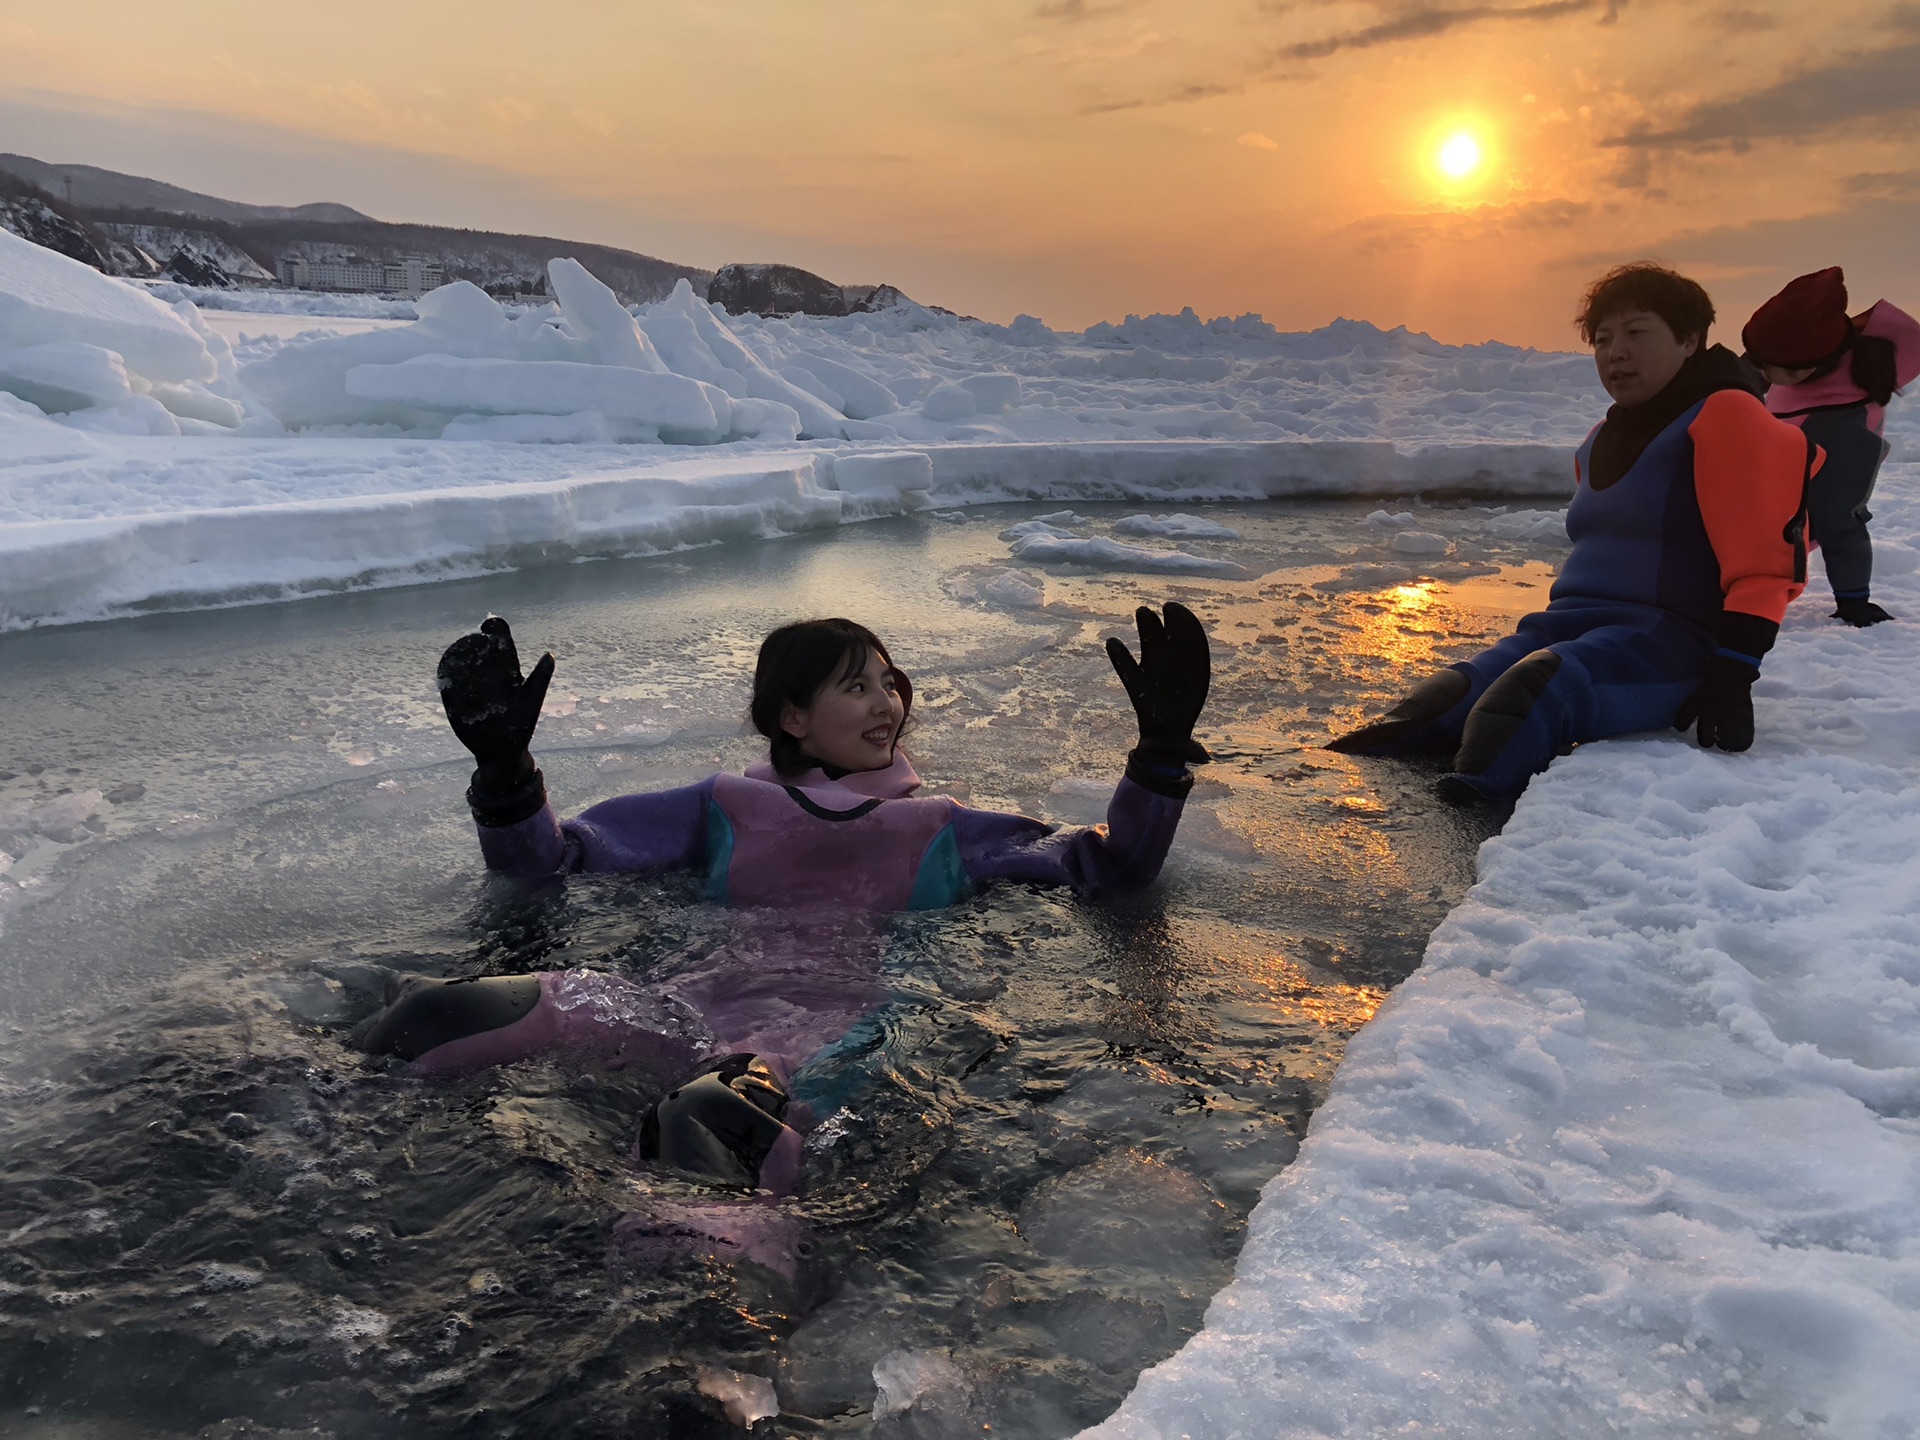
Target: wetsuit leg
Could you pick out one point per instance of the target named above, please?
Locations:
(1429, 720)
(1611, 679)
(422, 1013)
(1837, 497)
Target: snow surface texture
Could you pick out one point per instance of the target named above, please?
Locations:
(1636, 1152)
(145, 463)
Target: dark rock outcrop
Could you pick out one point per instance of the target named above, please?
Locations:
(774, 290)
(190, 267)
(31, 214)
(866, 299)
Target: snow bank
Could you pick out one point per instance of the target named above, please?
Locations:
(84, 568)
(1637, 1151)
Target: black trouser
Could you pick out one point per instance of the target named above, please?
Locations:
(1837, 512)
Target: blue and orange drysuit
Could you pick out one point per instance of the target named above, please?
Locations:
(1687, 540)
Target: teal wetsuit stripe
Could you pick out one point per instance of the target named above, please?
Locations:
(719, 851)
(941, 879)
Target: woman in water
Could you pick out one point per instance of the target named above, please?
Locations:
(827, 831)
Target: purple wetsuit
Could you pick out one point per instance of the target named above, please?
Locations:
(824, 856)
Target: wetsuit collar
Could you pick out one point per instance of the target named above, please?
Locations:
(893, 783)
(1628, 430)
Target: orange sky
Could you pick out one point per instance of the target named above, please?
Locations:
(1072, 159)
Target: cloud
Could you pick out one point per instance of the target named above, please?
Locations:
(1418, 20)
(1886, 185)
(1379, 234)
(1075, 12)
(1254, 140)
(1870, 85)
(1423, 21)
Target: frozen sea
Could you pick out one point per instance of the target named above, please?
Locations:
(1632, 1151)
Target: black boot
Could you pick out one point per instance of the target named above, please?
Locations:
(722, 1123)
(422, 1013)
(1858, 610)
(1429, 700)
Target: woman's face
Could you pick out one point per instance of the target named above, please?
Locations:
(1637, 354)
(853, 719)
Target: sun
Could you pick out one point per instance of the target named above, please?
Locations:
(1459, 156)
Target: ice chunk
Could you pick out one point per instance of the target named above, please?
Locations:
(864, 397)
(64, 375)
(918, 1380)
(764, 420)
(694, 341)
(800, 374)
(1105, 553)
(826, 1367)
(685, 411)
(1014, 591)
(596, 315)
(1388, 519)
(951, 401)
(747, 1399)
(1421, 542)
(994, 393)
(463, 312)
(1122, 1210)
(190, 400)
(45, 298)
(1180, 526)
(883, 472)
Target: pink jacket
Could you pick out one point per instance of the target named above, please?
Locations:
(1837, 391)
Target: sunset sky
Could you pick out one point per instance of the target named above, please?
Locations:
(1072, 159)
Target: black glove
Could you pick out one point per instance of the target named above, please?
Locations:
(1168, 687)
(1859, 611)
(493, 711)
(1723, 705)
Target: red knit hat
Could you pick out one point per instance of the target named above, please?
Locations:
(1802, 325)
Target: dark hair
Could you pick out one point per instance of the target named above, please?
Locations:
(1875, 367)
(1644, 285)
(796, 662)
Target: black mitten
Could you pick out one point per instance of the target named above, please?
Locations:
(1168, 688)
(493, 712)
(1859, 611)
(1723, 705)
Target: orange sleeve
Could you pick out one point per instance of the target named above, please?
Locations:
(1749, 472)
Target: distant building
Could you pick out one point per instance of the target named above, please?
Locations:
(411, 275)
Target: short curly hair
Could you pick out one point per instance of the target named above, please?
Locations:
(1644, 285)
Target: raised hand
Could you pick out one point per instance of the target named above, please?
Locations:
(1167, 684)
(493, 710)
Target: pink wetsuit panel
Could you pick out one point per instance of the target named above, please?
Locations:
(824, 846)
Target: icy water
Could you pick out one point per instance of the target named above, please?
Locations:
(227, 829)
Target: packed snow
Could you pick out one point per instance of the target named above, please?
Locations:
(1636, 1152)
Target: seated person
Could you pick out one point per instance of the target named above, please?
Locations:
(1688, 545)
